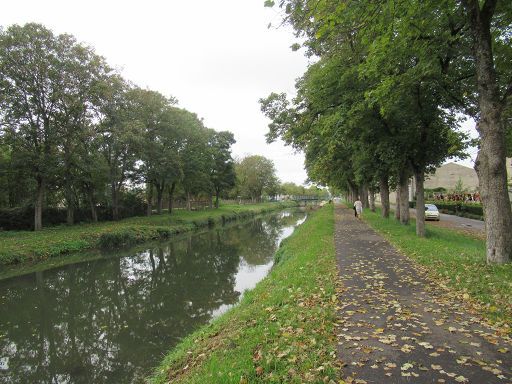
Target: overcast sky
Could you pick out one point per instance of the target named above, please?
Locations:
(218, 58)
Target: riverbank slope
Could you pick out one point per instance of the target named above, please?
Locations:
(282, 331)
(28, 246)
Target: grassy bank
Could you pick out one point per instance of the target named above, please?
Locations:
(457, 260)
(281, 332)
(25, 246)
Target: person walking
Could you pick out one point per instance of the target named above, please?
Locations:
(358, 205)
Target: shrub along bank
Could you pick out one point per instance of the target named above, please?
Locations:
(23, 246)
(282, 331)
(457, 261)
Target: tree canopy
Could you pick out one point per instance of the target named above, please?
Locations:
(384, 96)
(74, 133)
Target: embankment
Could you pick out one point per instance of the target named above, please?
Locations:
(282, 331)
(26, 246)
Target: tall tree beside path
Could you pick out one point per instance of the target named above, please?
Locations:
(490, 27)
(460, 48)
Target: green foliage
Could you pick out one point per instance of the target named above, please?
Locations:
(383, 100)
(222, 168)
(73, 131)
(256, 175)
(459, 186)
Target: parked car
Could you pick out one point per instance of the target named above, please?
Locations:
(431, 212)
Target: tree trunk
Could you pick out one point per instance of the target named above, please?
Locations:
(92, 205)
(490, 163)
(404, 199)
(371, 194)
(70, 209)
(419, 177)
(397, 203)
(115, 202)
(159, 199)
(149, 194)
(189, 207)
(217, 193)
(171, 196)
(384, 196)
(364, 196)
(352, 194)
(38, 205)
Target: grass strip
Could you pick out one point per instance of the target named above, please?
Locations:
(281, 332)
(457, 261)
(27, 246)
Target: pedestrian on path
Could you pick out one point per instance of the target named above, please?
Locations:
(358, 205)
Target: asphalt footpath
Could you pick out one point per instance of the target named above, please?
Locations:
(398, 326)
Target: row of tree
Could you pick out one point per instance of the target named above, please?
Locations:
(73, 132)
(383, 100)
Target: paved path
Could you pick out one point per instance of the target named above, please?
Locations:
(396, 326)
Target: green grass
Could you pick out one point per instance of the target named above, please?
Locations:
(26, 246)
(281, 332)
(457, 260)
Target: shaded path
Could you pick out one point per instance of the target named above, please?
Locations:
(396, 326)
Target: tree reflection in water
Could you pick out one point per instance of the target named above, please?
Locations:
(111, 320)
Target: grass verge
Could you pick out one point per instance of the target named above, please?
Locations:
(26, 246)
(456, 259)
(281, 332)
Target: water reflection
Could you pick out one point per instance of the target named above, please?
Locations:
(110, 320)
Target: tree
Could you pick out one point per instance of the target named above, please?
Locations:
(159, 155)
(84, 71)
(222, 172)
(489, 25)
(32, 81)
(375, 74)
(256, 175)
(463, 47)
(195, 156)
(120, 137)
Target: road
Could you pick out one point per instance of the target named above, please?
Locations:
(476, 227)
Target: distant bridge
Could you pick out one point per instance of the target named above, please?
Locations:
(308, 198)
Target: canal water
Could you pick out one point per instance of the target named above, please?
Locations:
(111, 320)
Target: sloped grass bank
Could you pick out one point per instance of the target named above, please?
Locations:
(281, 332)
(27, 246)
(457, 260)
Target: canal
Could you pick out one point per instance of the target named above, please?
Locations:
(112, 319)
